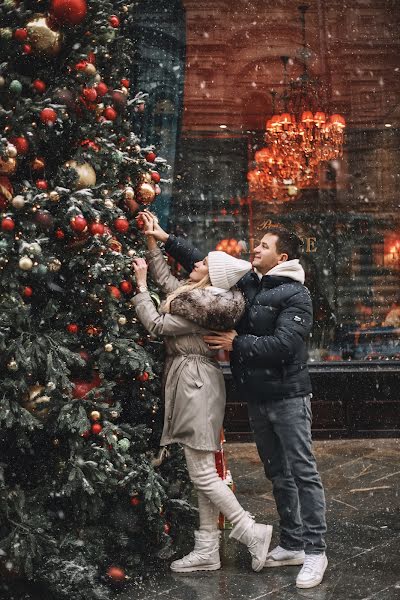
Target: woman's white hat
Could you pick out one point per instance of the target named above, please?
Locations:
(225, 270)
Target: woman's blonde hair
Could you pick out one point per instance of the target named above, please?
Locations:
(185, 287)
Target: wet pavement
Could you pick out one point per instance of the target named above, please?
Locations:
(362, 484)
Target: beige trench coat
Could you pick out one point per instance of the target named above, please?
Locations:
(194, 389)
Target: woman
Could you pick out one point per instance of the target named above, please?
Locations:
(194, 389)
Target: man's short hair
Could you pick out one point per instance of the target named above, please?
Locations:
(287, 243)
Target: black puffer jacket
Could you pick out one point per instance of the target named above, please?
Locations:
(269, 358)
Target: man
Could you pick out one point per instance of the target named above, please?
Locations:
(268, 360)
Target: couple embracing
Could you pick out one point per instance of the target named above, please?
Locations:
(262, 314)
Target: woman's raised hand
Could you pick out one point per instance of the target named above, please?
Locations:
(152, 227)
(140, 268)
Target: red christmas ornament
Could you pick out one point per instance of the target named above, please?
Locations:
(121, 224)
(151, 156)
(81, 387)
(143, 377)
(48, 115)
(135, 501)
(110, 113)
(96, 428)
(126, 287)
(92, 58)
(60, 235)
(155, 176)
(39, 86)
(68, 12)
(96, 228)
(20, 34)
(102, 89)
(139, 222)
(116, 574)
(125, 82)
(27, 292)
(114, 291)
(41, 184)
(114, 21)
(81, 66)
(89, 94)
(167, 528)
(7, 224)
(27, 49)
(78, 223)
(86, 434)
(21, 144)
(72, 328)
(84, 355)
(6, 192)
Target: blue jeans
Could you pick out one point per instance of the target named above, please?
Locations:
(282, 431)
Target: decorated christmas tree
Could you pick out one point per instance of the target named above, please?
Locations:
(84, 499)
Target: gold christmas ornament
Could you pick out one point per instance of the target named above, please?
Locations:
(25, 263)
(42, 37)
(146, 193)
(108, 347)
(95, 415)
(122, 320)
(86, 174)
(11, 151)
(146, 177)
(90, 69)
(8, 166)
(129, 193)
(54, 196)
(12, 365)
(54, 265)
(18, 201)
(36, 402)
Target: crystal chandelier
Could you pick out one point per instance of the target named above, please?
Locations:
(298, 139)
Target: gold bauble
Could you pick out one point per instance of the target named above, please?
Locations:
(86, 174)
(90, 69)
(42, 38)
(146, 177)
(146, 193)
(54, 265)
(36, 402)
(54, 196)
(8, 166)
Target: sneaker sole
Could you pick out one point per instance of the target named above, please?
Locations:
(263, 557)
(283, 563)
(213, 567)
(307, 586)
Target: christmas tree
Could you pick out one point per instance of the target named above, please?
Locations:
(84, 499)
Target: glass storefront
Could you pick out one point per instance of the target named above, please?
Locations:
(246, 61)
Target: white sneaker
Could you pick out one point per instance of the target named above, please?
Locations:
(280, 557)
(312, 572)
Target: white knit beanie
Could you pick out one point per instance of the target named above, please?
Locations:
(225, 270)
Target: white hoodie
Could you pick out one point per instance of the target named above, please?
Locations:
(288, 268)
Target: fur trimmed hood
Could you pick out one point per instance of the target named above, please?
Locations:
(215, 312)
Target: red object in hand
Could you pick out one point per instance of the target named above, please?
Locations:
(102, 89)
(7, 224)
(121, 224)
(90, 94)
(96, 428)
(27, 292)
(155, 176)
(48, 115)
(96, 228)
(68, 12)
(114, 21)
(41, 184)
(72, 328)
(110, 113)
(135, 501)
(39, 86)
(143, 377)
(21, 144)
(20, 34)
(116, 574)
(126, 287)
(151, 156)
(78, 223)
(114, 291)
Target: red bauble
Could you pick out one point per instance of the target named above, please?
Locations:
(41, 184)
(91, 58)
(78, 223)
(84, 355)
(60, 235)
(96, 428)
(102, 89)
(126, 287)
(143, 377)
(167, 528)
(116, 574)
(119, 100)
(114, 291)
(20, 34)
(72, 328)
(110, 113)
(89, 94)
(6, 192)
(86, 434)
(81, 388)
(96, 228)
(27, 292)
(114, 21)
(139, 222)
(151, 156)
(21, 144)
(68, 12)
(121, 224)
(7, 224)
(155, 176)
(135, 501)
(125, 82)
(27, 49)
(48, 115)
(39, 86)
